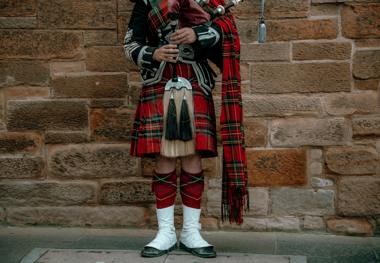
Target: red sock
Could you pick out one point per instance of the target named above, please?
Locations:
(191, 188)
(164, 186)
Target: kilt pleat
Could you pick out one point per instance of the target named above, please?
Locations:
(148, 122)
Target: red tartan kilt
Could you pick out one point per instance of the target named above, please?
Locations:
(148, 121)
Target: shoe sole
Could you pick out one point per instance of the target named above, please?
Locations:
(185, 248)
(163, 252)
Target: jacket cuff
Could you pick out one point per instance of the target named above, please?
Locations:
(207, 35)
(145, 59)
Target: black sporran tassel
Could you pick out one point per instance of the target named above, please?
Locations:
(171, 121)
(185, 133)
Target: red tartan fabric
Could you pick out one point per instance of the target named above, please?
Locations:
(147, 127)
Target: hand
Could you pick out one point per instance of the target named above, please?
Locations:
(185, 35)
(167, 53)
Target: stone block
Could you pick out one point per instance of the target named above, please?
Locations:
(124, 192)
(112, 124)
(50, 193)
(359, 159)
(299, 201)
(351, 103)
(90, 85)
(360, 20)
(350, 226)
(300, 77)
(107, 58)
(366, 126)
(358, 195)
(255, 132)
(309, 131)
(276, 167)
(281, 105)
(28, 72)
(77, 14)
(47, 114)
(17, 142)
(18, 8)
(78, 216)
(91, 161)
(366, 64)
(265, 52)
(40, 44)
(21, 166)
(321, 50)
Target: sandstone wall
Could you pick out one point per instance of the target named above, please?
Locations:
(311, 105)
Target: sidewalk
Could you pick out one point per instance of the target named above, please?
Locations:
(95, 245)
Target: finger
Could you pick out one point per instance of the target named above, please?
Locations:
(171, 51)
(170, 46)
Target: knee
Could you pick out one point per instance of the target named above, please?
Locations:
(192, 163)
(165, 164)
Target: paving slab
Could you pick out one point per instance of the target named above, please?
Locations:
(53, 255)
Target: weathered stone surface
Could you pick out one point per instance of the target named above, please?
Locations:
(86, 14)
(366, 64)
(40, 44)
(352, 103)
(93, 85)
(259, 201)
(281, 105)
(309, 131)
(46, 114)
(21, 166)
(367, 42)
(273, 9)
(297, 29)
(14, 72)
(63, 67)
(276, 167)
(359, 159)
(25, 92)
(53, 137)
(359, 195)
(100, 37)
(265, 52)
(300, 77)
(366, 84)
(313, 223)
(18, 8)
(321, 182)
(367, 125)
(350, 226)
(324, 9)
(289, 29)
(12, 142)
(36, 193)
(113, 124)
(255, 132)
(298, 201)
(124, 5)
(360, 20)
(18, 22)
(107, 58)
(78, 216)
(321, 50)
(108, 103)
(283, 223)
(92, 161)
(2, 214)
(124, 192)
(122, 24)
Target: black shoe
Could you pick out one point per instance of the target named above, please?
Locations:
(203, 252)
(151, 252)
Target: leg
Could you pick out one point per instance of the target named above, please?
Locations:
(192, 186)
(164, 185)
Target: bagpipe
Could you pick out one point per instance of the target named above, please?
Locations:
(222, 9)
(178, 129)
